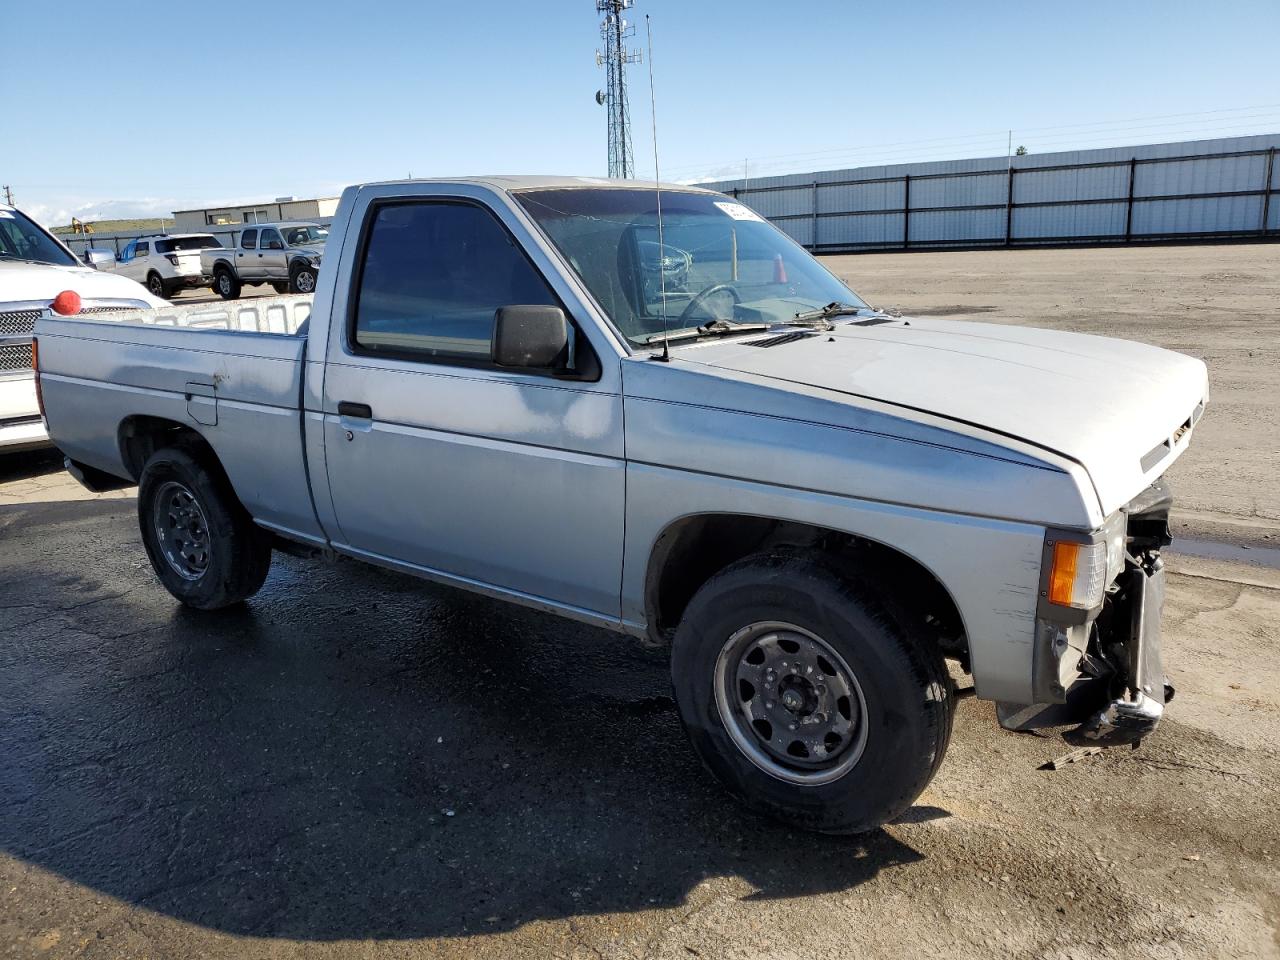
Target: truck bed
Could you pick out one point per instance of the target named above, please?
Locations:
(232, 372)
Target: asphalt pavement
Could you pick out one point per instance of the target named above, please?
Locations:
(359, 763)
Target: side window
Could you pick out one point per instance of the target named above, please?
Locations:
(129, 248)
(433, 276)
(142, 249)
(249, 239)
(271, 240)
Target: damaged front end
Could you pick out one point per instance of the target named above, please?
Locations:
(1097, 649)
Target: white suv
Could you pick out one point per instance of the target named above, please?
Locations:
(165, 264)
(34, 268)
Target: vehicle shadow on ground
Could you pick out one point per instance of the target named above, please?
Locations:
(358, 755)
(28, 464)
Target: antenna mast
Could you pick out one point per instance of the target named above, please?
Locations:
(615, 31)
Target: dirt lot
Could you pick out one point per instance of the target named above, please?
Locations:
(1218, 303)
(356, 764)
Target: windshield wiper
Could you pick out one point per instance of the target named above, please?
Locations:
(712, 328)
(820, 316)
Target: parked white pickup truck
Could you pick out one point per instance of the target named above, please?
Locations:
(285, 255)
(815, 504)
(34, 268)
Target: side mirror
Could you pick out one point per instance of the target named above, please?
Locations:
(530, 336)
(99, 259)
(275, 245)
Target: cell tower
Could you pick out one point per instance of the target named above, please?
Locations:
(615, 31)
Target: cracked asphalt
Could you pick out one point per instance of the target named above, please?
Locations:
(358, 764)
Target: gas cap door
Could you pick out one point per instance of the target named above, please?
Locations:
(202, 403)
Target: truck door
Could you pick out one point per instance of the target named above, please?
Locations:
(272, 257)
(443, 463)
(247, 263)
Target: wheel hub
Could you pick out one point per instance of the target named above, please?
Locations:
(181, 530)
(790, 703)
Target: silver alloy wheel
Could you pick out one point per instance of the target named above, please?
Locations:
(224, 283)
(790, 703)
(181, 530)
(305, 281)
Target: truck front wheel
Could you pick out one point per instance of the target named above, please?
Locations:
(806, 697)
(202, 543)
(226, 284)
(302, 278)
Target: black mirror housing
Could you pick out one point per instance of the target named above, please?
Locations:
(530, 336)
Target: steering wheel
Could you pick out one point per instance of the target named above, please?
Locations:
(705, 293)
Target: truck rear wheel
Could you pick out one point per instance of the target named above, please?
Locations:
(202, 543)
(805, 697)
(226, 284)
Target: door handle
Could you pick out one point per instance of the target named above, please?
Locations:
(356, 411)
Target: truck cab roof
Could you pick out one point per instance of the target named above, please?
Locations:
(516, 184)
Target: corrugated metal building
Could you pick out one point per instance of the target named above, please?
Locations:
(1198, 189)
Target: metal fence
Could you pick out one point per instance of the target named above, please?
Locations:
(1208, 189)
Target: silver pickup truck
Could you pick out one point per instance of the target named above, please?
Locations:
(678, 426)
(285, 255)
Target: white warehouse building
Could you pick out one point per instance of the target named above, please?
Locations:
(281, 208)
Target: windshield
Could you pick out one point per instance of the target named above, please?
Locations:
(21, 239)
(717, 260)
(301, 236)
(178, 244)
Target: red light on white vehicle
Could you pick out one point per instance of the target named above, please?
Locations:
(67, 303)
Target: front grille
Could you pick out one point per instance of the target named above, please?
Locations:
(15, 357)
(18, 321)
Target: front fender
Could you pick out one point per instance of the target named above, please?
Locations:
(991, 568)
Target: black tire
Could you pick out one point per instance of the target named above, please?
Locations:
(280, 286)
(226, 284)
(157, 287)
(900, 677)
(227, 555)
(302, 278)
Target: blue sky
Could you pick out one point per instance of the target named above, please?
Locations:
(114, 109)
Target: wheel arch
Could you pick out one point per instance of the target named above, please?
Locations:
(690, 550)
(139, 436)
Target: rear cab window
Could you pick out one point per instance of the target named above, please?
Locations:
(249, 240)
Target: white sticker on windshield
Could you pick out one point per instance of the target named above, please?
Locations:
(738, 211)
(5, 215)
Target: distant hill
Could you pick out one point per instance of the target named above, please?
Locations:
(149, 225)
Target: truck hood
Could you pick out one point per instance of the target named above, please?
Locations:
(43, 281)
(1122, 410)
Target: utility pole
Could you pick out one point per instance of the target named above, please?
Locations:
(615, 32)
(8, 195)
